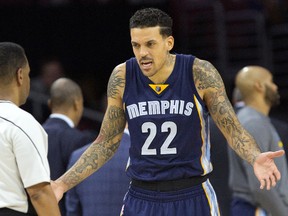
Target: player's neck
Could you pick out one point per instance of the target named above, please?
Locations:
(163, 74)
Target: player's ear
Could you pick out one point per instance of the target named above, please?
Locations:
(170, 42)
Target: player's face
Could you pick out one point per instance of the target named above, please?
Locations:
(151, 49)
(272, 96)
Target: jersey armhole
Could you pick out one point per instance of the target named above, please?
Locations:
(191, 74)
(129, 66)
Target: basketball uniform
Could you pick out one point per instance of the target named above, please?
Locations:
(169, 131)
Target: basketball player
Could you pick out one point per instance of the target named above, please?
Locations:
(166, 99)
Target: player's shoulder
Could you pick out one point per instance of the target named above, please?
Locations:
(203, 68)
(117, 81)
(201, 63)
(120, 70)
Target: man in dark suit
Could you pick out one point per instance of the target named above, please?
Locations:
(66, 104)
(101, 193)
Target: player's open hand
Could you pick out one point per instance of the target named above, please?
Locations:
(266, 170)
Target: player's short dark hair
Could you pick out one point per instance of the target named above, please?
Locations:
(152, 17)
(12, 57)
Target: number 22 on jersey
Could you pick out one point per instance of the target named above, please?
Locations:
(151, 128)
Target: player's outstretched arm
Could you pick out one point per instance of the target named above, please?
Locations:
(107, 142)
(211, 88)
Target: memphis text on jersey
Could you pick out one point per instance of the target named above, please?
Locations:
(162, 107)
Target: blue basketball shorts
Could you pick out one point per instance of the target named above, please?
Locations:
(240, 207)
(199, 200)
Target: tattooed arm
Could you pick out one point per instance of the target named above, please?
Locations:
(107, 142)
(211, 88)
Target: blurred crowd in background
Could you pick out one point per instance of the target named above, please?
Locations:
(83, 39)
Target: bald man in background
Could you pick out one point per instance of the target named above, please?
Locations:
(66, 105)
(259, 94)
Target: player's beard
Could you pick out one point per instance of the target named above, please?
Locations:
(271, 97)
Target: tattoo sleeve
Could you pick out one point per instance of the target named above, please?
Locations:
(116, 82)
(209, 81)
(108, 140)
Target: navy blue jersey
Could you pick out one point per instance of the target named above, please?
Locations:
(168, 124)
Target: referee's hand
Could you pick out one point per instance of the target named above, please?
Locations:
(57, 189)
